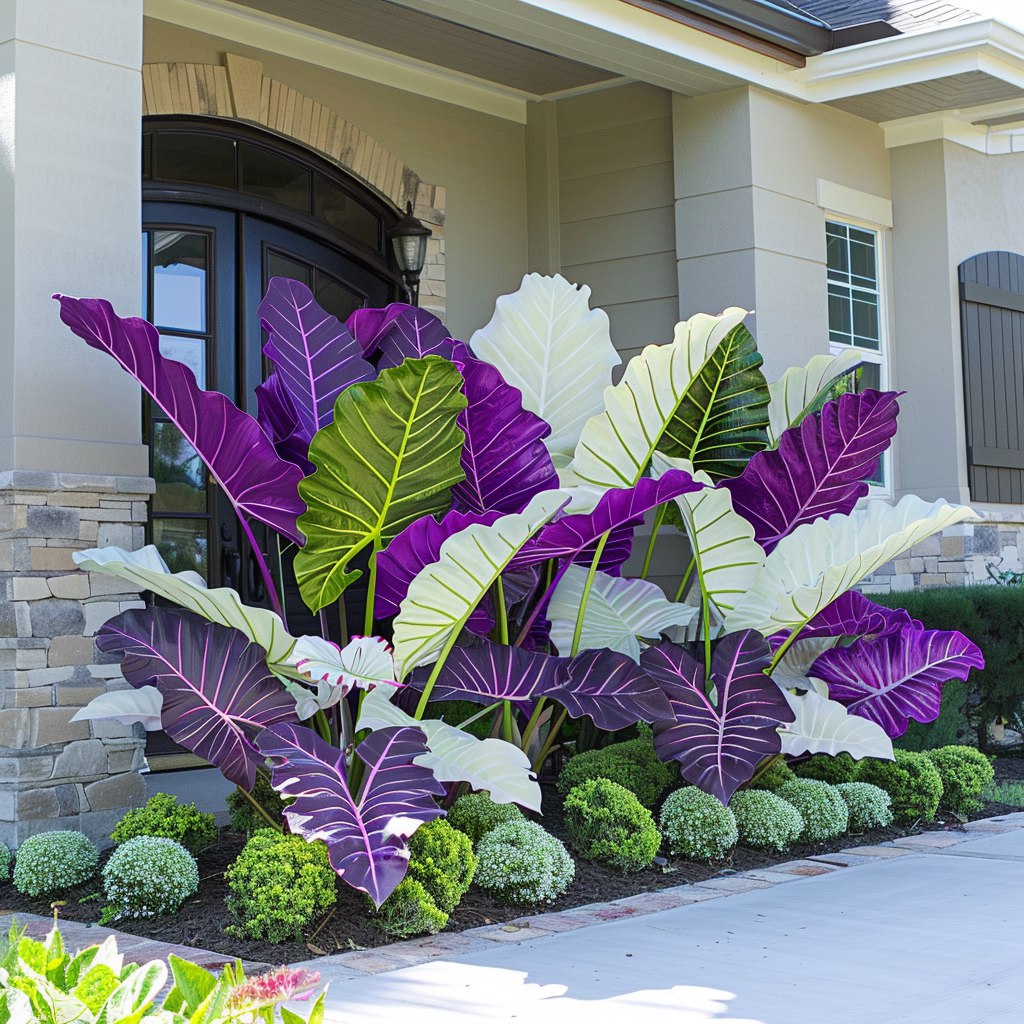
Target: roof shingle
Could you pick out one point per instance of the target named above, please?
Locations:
(903, 15)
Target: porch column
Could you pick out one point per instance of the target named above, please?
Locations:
(71, 460)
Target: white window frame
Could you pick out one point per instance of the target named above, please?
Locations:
(881, 357)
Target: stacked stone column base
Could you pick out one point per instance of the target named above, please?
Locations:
(55, 773)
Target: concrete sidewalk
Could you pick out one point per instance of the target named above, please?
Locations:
(924, 931)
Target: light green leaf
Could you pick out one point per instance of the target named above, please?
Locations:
(390, 456)
(444, 593)
(146, 570)
(547, 341)
(134, 994)
(617, 444)
(194, 983)
(802, 390)
(824, 726)
(818, 561)
(619, 611)
(723, 418)
(457, 756)
(727, 557)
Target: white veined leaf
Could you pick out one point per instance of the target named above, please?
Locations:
(818, 561)
(443, 594)
(618, 612)
(457, 756)
(142, 705)
(146, 570)
(617, 444)
(801, 389)
(547, 341)
(824, 726)
(727, 557)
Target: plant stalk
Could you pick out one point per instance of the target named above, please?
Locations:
(658, 522)
(268, 579)
(578, 631)
(556, 727)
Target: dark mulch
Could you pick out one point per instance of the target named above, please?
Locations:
(202, 921)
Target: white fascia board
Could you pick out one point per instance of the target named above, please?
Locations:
(324, 49)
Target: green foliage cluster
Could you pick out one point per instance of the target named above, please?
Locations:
(777, 774)
(1009, 793)
(696, 825)
(912, 782)
(607, 823)
(991, 617)
(244, 817)
(148, 876)
(965, 772)
(441, 867)
(279, 884)
(631, 763)
(521, 863)
(869, 806)
(476, 814)
(52, 862)
(5, 863)
(41, 981)
(764, 820)
(164, 817)
(823, 809)
(826, 768)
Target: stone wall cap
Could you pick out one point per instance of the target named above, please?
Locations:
(31, 480)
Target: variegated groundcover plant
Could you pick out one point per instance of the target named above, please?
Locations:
(489, 494)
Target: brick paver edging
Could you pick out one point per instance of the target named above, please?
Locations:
(359, 963)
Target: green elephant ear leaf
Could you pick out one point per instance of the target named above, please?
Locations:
(722, 419)
(390, 457)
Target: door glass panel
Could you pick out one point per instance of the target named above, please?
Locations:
(275, 177)
(179, 280)
(279, 265)
(190, 351)
(178, 471)
(194, 158)
(340, 210)
(335, 297)
(183, 543)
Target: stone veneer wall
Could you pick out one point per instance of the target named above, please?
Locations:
(55, 773)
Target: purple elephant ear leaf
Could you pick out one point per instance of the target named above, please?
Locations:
(819, 467)
(893, 679)
(505, 459)
(237, 451)
(718, 743)
(408, 332)
(315, 355)
(277, 416)
(366, 836)
(606, 686)
(367, 325)
(216, 686)
(854, 615)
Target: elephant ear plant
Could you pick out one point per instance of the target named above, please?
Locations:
(489, 495)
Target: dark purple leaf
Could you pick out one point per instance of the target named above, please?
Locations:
(718, 743)
(367, 836)
(853, 614)
(620, 510)
(818, 469)
(278, 417)
(217, 689)
(892, 679)
(239, 455)
(418, 545)
(315, 355)
(608, 687)
(504, 457)
(408, 332)
(367, 325)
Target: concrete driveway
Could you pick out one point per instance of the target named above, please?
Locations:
(925, 931)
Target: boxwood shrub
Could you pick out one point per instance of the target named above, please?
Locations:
(912, 782)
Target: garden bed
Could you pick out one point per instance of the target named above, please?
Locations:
(203, 919)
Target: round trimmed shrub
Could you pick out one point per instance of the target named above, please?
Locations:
(912, 782)
(521, 863)
(278, 885)
(764, 820)
(631, 763)
(697, 825)
(778, 774)
(410, 911)
(164, 817)
(869, 806)
(823, 809)
(5, 863)
(148, 876)
(607, 823)
(826, 768)
(51, 862)
(965, 772)
(475, 814)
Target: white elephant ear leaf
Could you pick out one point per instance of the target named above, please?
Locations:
(824, 726)
(802, 390)
(142, 705)
(457, 756)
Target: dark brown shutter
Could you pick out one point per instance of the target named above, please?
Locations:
(992, 340)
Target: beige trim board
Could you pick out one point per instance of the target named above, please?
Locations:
(850, 202)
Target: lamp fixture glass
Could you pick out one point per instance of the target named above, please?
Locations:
(409, 243)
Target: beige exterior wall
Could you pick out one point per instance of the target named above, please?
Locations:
(477, 158)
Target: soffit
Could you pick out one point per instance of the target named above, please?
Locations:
(424, 37)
